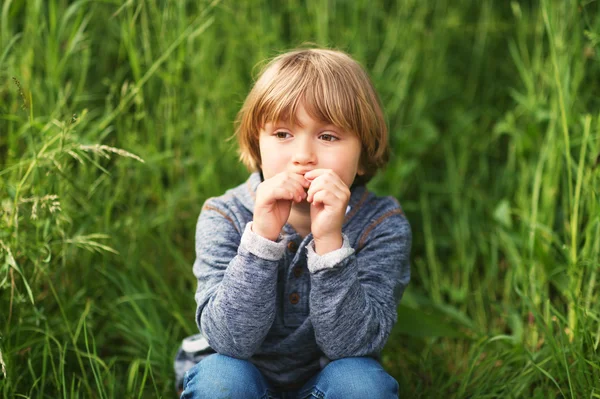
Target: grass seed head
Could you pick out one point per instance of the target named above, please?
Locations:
(3, 365)
(25, 104)
(103, 150)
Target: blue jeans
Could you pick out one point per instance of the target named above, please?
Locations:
(220, 376)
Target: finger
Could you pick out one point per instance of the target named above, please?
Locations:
(331, 182)
(293, 184)
(324, 198)
(313, 174)
(335, 199)
(326, 183)
(297, 188)
(281, 193)
(300, 179)
(326, 175)
(289, 176)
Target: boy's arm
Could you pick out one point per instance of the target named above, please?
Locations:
(237, 277)
(354, 296)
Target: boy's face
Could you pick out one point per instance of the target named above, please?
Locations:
(309, 144)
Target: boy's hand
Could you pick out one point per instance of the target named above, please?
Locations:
(328, 196)
(274, 199)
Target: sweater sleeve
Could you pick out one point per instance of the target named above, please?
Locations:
(354, 295)
(237, 277)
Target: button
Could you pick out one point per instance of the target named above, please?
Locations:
(294, 298)
(292, 246)
(297, 271)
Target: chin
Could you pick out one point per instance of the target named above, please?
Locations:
(302, 204)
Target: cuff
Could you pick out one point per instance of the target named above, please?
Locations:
(331, 259)
(261, 246)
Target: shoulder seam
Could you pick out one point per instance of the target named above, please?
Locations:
(212, 208)
(358, 206)
(363, 237)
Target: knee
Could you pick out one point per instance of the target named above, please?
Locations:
(219, 376)
(357, 377)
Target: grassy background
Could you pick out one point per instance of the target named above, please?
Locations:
(114, 119)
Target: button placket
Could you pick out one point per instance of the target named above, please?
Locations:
(296, 289)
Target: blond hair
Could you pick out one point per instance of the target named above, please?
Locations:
(333, 88)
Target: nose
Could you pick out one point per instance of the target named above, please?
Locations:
(304, 153)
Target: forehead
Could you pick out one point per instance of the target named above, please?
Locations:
(303, 118)
(303, 113)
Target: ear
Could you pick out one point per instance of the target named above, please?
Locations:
(360, 171)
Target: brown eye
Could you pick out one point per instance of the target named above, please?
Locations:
(328, 137)
(282, 135)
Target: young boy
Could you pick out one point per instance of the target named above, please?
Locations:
(300, 269)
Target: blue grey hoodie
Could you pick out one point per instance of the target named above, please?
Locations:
(284, 307)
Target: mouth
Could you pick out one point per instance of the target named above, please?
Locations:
(302, 172)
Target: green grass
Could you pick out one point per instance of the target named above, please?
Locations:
(114, 127)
